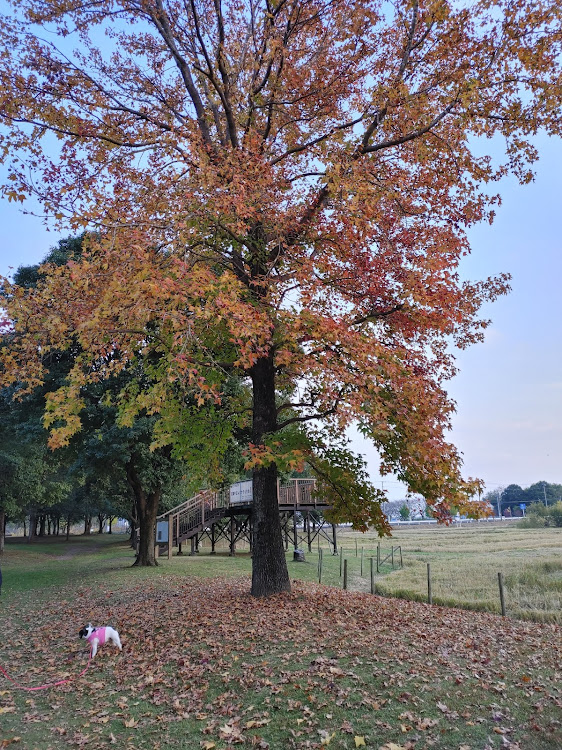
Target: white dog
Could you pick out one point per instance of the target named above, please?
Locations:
(98, 636)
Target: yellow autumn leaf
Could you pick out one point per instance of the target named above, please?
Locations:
(359, 741)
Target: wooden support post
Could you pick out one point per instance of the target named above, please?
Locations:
(286, 530)
(356, 555)
(345, 575)
(362, 551)
(320, 561)
(429, 594)
(308, 530)
(170, 536)
(392, 556)
(232, 538)
(192, 545)
(502, 596)
(378, 557)
(341, 561)
(295, 539)
(156, 551)
(372, 576)
(335, 539)
(213, 539)
(401, 563)
(177, 526)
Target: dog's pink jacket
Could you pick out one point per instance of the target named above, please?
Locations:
(99, 635)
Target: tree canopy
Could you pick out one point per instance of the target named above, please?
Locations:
(107, 468)
(514, 495)
(281, 193)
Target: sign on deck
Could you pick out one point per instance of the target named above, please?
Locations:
(241, 493)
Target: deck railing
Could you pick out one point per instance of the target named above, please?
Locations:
(297, 492)
(208, 505)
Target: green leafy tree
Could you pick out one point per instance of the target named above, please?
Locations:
(106, 459)
(404, 512)
(33, 477)
(543, 492)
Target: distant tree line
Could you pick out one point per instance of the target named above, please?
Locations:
(512, 497)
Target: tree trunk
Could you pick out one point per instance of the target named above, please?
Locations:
(101, 519)
(42, 520)
(134, 526)
(32, 526)
(2, 530)
(269, 565)
(87, 525)
(146, 507)
(68, 528)
(110, 524)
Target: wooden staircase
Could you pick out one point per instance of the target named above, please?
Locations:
(207, 510)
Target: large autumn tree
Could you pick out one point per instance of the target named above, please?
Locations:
(281, 191)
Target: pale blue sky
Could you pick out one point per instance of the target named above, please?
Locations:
(509, 391)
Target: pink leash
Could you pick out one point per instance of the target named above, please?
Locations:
(51, 684)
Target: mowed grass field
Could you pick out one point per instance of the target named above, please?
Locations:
(206, 666)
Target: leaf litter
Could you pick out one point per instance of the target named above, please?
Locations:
(206, 665)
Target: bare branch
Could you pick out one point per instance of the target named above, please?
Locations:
(161, 22)
(410, 136)
(376, 315)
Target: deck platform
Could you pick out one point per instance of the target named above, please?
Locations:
(227, 515)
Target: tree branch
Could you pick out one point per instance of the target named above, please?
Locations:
(161, 22)
(376, 314)
(410, 136)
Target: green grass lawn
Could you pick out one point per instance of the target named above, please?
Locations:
(206, 666)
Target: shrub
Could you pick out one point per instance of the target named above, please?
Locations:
(539, 515)
(556, 514)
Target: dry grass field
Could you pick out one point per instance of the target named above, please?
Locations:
(465, 562)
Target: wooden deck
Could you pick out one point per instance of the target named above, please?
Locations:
(227, 514)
